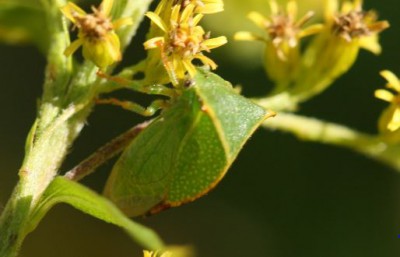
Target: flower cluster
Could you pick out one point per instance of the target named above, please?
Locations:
(96, 34)
(348, 28)
(353, 24)
(175, 31)
(179, 37)
(306, 70)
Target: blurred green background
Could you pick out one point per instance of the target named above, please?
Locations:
(282, 197)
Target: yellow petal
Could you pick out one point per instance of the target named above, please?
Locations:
(384, 95)
(347, 7)
(357, 5)
(291, 9)
(274, 8)
(147, 253)
(122, 22)
(153, 42)
(392, 79)
(189, 67)
(210, 8)
(197, 19)
(175, 13)
(378, 26)
(310, 30)
(187, 13)
(106, 6)
(258, 19)
(160, 7)
(206, 61)
(73, 47)
(331, 8)
(215, 42)
(70, 10)
(394, 123)
(371, 43)
(157, 20)
(244, 35)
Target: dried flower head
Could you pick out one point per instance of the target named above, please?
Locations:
(282, 27)
(351, 22)
(96, 34)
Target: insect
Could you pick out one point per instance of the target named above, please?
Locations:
(186, 151)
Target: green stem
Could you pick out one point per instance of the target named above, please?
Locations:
(48, 141)
(12, 226)
(315, 130)
(279, 102)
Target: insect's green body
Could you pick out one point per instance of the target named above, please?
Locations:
(185, 152)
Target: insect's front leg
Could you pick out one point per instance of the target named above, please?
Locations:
(134, 107)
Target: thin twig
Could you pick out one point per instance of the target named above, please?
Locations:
(105, 153)
(315, 130)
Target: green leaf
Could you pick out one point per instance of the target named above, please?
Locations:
(184, 153)
(62, 190)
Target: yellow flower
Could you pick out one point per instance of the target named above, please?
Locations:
(96, 33)
(390, 119)
(181, 41)
(282, 40)
(154, 254)
(283, 28)
(333, 51)
(352, 23)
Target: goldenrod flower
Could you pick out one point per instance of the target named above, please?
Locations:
(181, 41)
(390, 119)
(352, 23)
(282, 27)
(155, 254)
(333, 52)
(282, 40)
(96, 34)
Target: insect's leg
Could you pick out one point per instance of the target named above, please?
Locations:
(134, 107)
(155, 89)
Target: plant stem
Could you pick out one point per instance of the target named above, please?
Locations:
(38, 170)
(315, 130)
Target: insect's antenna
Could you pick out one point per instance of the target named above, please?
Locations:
(167, 65)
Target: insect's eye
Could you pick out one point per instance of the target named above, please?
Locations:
(189, 83)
